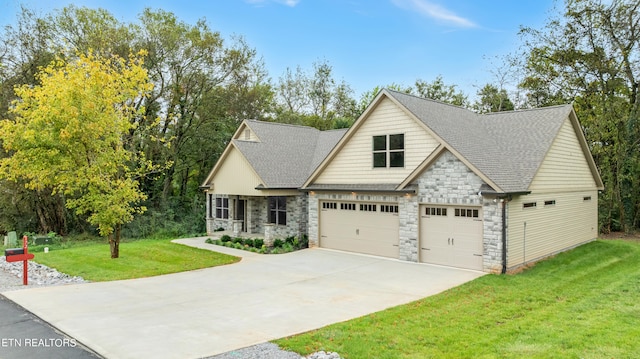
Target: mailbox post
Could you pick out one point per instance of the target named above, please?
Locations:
(20, 254)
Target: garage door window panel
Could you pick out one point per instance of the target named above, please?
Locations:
(278, 210)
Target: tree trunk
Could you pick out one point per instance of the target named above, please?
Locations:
(114, 243)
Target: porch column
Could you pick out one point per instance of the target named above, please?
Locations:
(269, 229)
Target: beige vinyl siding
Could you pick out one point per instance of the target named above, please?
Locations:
(565, 166)
(549, 229)
(236, 177)
(354, 161)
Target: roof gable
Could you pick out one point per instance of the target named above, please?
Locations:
(505, 149)
(282, 155)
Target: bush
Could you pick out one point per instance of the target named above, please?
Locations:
(277, 243)
(225, 238)
(258, 243)
(209, 240)
(219, 229)
(237, 240)
(287, 247)
(290, 240)
(249, 242)
(238, 246)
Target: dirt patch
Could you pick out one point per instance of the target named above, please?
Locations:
(630, 236)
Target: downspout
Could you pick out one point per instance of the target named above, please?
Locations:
(504, 235)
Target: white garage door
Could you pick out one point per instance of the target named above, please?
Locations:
(451, 236)
(363, 227)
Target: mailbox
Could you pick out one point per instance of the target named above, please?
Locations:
(13, 252)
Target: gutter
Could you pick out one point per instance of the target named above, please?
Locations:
(504, 236)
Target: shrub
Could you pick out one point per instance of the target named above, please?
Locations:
(249, 242)
(277, 243)
(237, 240)
(219, 229)
(238, 246)
(287, 247)
(228, 244)
(225, 238)
(209, 240)
(290, 240)
(258, 243)
(275, 251)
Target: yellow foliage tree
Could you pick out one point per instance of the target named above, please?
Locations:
(69, 133)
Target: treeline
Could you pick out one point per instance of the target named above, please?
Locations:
(205, 85)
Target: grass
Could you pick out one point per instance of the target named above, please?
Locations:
(581, 304)
(138, 259)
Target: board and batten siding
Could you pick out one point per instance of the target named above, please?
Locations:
(354, 161)
(565, 166)
(537, 232)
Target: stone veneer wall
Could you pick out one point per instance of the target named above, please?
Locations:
(449, 181)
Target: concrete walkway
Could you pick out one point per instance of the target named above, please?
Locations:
(215, 310)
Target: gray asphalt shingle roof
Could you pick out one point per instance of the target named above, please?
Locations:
(286, 155)
(507, 147)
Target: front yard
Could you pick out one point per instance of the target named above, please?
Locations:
(138, 259)
(580, 304)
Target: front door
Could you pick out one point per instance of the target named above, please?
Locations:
(241, 205)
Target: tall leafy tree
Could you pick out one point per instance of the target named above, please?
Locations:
(491, 99)
(68, 133)
(439, 91)
(590, 55)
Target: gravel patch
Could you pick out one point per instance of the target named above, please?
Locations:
(43, 276)
(271, 351)
(39, 276)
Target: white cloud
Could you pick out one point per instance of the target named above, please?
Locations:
(434, 11)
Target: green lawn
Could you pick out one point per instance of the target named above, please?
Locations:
(580, 304)
(142, 258)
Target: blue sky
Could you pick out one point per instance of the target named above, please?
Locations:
(367, 42)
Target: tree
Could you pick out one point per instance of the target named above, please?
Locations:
(493, 100)
(439, 91)
(316, 100)
(69, 131)
(590, 56)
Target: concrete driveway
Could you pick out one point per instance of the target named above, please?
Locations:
(215, 310)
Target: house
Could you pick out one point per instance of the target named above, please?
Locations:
(423, 181)
(255, 185)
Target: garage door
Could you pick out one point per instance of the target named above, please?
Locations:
(451, 236)
(363, 227)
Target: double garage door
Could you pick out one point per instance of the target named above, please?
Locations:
(363, 227)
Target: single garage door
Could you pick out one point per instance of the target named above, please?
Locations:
(362, 227)
(451, 236)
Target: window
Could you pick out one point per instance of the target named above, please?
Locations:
(368, 207)
(550, 203)
(529, 205)
(388, 151)
(222, 208)
(433, 211)
(385, 208)
(587, 198)
(278, 210)
(247, 134)
(329, 205)
(467, 212)
(348, 206)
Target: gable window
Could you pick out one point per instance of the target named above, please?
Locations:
(278, 210)
(529, 205)
(388, 151)
(222, 207)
